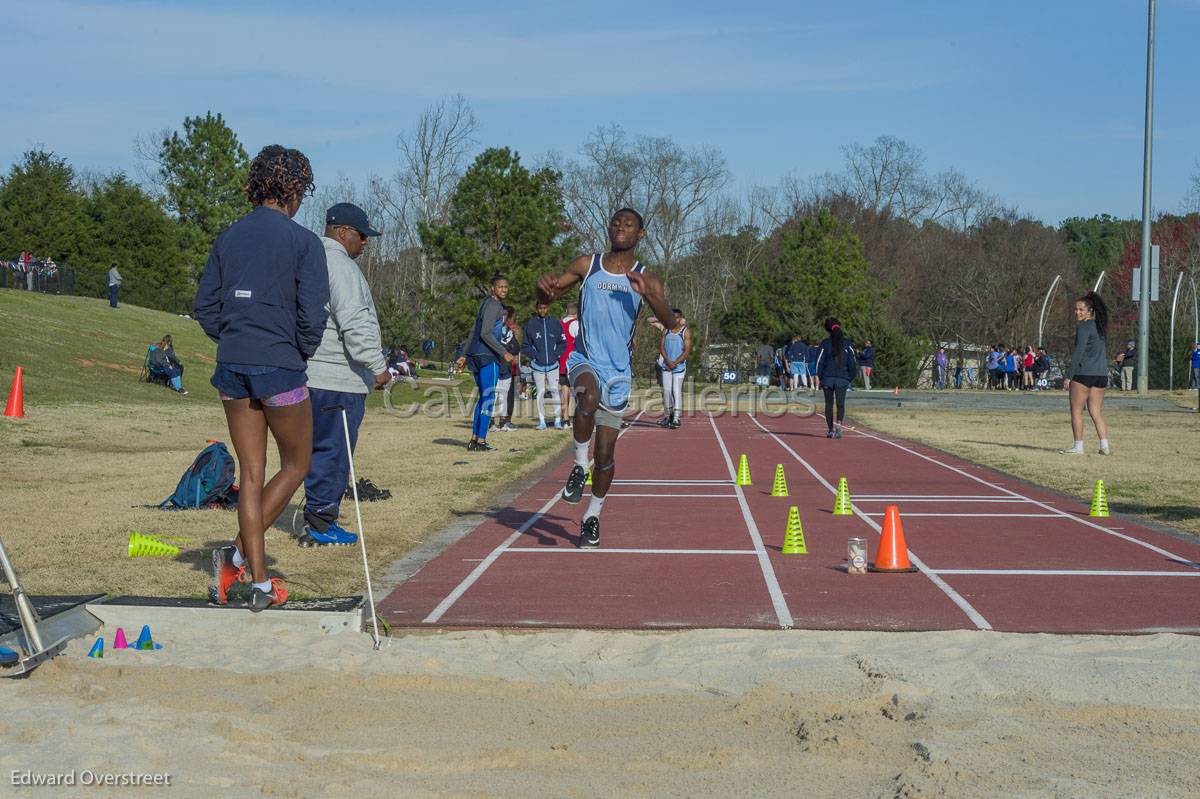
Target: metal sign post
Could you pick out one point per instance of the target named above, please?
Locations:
(36, 652)
(1143, 360)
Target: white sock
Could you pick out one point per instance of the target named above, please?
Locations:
(238, 560)
(581, 455)
(594, 506)
(1103, 443)
(264, 587)
(1079, 446)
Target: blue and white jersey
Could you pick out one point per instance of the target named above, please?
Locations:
(673, 344)
(608, 311)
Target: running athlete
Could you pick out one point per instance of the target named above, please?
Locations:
(613, 286)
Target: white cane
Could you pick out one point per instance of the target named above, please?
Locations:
(362, 538)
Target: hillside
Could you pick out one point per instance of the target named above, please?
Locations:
(77, 349)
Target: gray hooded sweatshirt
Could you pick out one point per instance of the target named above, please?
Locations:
(351, 350)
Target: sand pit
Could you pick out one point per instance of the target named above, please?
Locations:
(277, 712)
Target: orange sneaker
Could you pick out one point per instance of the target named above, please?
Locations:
(261, 600)
(225, 574)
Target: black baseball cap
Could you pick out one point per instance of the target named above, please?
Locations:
(350, 215)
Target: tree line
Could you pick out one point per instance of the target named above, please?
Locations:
(905, 256)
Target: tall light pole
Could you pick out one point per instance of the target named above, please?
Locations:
(1143, 359)
(1046, 302)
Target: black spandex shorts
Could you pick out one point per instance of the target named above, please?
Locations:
(1091, 381)
(563, 380)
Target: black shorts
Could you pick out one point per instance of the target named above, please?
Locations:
(1091, 381)
(564, 380)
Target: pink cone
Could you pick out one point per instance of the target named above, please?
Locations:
(119, 641)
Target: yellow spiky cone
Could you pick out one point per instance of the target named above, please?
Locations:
(780, 487)
(841, 504)
(589, 480)
(743, 474)
(793, 538)
(144, 546)
(1099, 501)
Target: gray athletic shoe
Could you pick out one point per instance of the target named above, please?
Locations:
(589, 533)
(572, 492)
(261, 600)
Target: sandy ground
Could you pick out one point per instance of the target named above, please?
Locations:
(575, 713)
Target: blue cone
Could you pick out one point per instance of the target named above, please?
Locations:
(8, 657)
(97, 648)
(144, 640)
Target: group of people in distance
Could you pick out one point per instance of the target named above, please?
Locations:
(298, 350)
(1016, 368)
(795, 364)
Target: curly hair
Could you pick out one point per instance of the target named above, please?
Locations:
(280, 174)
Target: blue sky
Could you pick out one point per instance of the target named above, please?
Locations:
(1039, 102)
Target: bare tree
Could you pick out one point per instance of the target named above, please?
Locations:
(1191, 203)
(960, 204)
(598, 184)
(433, 156)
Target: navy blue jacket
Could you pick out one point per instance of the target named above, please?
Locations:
(544, 343)
(832, 373)
(264, 294)
(484, 347)
(867, 357)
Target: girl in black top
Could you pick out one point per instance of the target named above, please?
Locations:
(835, 368)
(1087, 374)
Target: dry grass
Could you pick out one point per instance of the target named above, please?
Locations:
(74, 478)
(1152, 473)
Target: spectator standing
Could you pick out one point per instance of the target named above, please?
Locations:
(866, 362)
(506, 388)
(674, 350)
(114, 286)
(814, 378)
(545, 343)
(1196, 365)
(1087, 372)
(993, 367)
(797, 358)
(570, 324)
(1128, 362)
(347, 365)
(427, 347)
(941, 361)
(262, 298)
(486, 356)
(763, 357)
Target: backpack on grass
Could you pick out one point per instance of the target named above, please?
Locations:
(207, 483)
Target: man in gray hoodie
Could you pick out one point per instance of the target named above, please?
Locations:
(346, 366)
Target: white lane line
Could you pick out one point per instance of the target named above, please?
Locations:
(1056, 511)
(980, 515)
(764, 561)
(975, 616)
(671, 482)
(484, 564)
(1067, 573)
(906, 500)
(929, 496)
(577, 550)
(668, 496)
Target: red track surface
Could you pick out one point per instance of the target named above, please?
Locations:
(681, 546)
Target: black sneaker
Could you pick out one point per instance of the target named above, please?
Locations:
(368, 491)
(664, 422)
(675, 424)
(837, 433)
(572, 492)
(261, 600)
(589, 533)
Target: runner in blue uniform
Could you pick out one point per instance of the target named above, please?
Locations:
(612, 288)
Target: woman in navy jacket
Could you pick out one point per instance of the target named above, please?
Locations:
(263, 298)
(836, 366)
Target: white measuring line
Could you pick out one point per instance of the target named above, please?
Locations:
(668, 496)
(933, 497)
(907, 500)
(1067, 573)
(484, 564)
(576, 550)
(979, 515)
(764, 561)
(1046, 506)
(975, 616)
(671, 482)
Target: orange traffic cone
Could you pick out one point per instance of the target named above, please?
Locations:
(16, 397)
(893, 553)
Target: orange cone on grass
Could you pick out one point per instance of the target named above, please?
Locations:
(893, 552)
(16, 396)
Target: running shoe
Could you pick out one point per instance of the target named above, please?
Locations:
(837, 433)
(1106, 450)
(675, 423)
(480, 446)
(508, 427)
(829, 434)
(589, 533)
(224, 574)
(335, 536)
(261, 600)
(541, 424)
(572, 492)
(368, 491)
(664, 422)
(558, 425)
(1071, 451)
